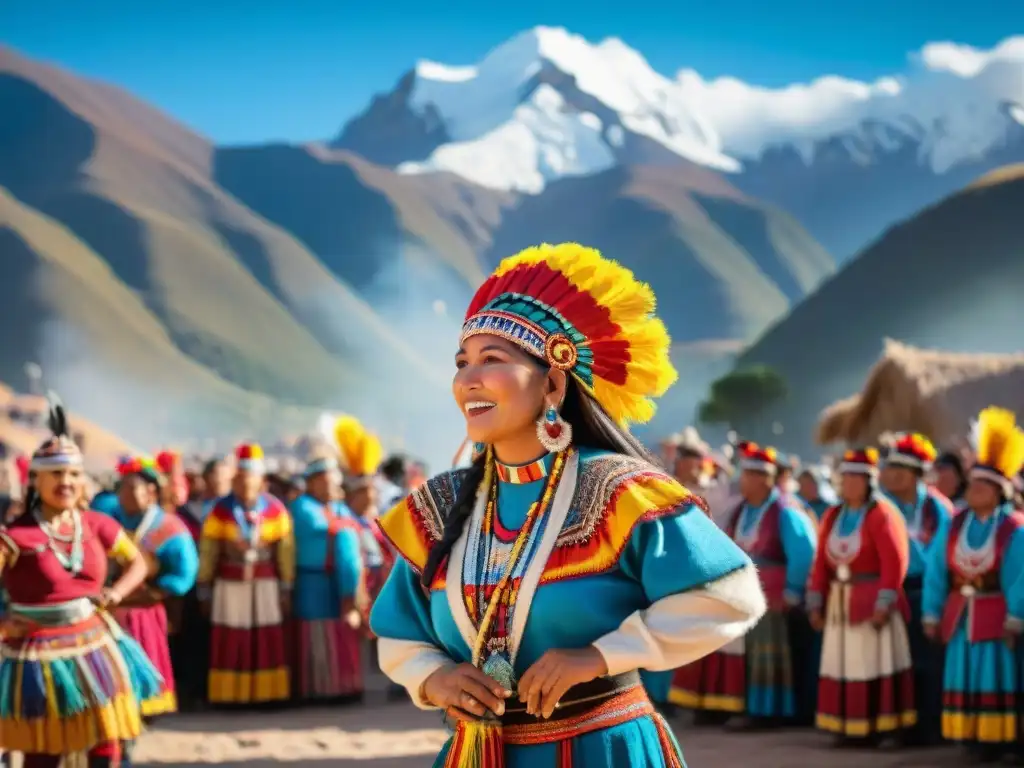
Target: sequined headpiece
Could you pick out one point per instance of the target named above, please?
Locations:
(999, 447)
(360, 450)
(860, 461)
(60, 450)
(584, 314)
(758, 458)
(909, 449)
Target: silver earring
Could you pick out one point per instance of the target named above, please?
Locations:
(554, 432)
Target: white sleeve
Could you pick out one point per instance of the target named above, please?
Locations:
(410, 663)
(682, 628)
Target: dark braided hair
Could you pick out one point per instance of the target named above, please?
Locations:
(592, 427)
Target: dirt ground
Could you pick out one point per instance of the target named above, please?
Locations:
(381, 735)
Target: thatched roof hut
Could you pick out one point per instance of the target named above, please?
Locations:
(929, 391)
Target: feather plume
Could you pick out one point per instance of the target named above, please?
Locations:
(58, 420)
(571, 290)
(1000, 441)
(361, 452)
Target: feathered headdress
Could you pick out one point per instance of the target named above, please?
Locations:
(60, 450)
(584, 314)
(758, 458)
(361, 452)
(909, 449)
(999, 447)
(859, 461)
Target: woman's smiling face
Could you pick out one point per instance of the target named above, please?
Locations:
(499, 388)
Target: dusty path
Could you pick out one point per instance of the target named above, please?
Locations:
(378, 735)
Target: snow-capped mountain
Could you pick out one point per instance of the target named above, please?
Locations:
(548, 104)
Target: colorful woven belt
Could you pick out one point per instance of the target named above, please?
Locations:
(56, 614)
(601, 703)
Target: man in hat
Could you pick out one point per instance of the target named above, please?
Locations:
(246, 572)
(907, 459)
(329, 583)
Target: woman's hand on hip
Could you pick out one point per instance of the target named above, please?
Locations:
(465, 692)
(554, 673)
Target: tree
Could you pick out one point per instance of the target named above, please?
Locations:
(742, 395)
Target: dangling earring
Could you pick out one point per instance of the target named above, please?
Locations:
(554, 432)
(478, 450)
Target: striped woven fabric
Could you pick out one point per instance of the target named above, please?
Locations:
(66, 689)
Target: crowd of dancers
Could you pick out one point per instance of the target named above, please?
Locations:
(895, 599)
(887, 602)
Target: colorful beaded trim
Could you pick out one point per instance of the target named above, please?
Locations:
(520, 474)
(507, 326)
(504, 574)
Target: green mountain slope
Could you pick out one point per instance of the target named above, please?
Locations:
(950, 278)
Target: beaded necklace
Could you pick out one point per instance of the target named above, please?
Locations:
(497, 585)
(74, 560)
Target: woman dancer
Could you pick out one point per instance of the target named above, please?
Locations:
(866, 686)
(70, 677)
(974, 597)
(533, 585)
(172, 565)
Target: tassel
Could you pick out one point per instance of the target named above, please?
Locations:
(477, 745)
(669, 746)
(146, 681)
(565, 753)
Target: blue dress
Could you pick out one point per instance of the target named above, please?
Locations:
(329, 572)
(974, 592)
(623, 560)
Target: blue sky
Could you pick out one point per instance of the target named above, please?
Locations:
(255, 71)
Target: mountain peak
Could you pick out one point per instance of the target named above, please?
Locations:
(548, 103)
(951, 106)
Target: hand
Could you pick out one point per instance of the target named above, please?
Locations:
(554, 673)
(816, 619)
(205, 607)
(1010, 638)
(464, 692)
(880, 618)
(108, 599)
(931, 630)
(286, 603)
(14, 627)
(350, 614)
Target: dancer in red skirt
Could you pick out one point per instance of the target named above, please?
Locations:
(866, 685)
(246, 571)
(173, 563)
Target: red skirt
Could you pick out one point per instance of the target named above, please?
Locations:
(248, 650)
(716, 683)
(329, 661)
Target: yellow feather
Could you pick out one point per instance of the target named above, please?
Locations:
(1000, 442)
(361, 452)
(630, 305)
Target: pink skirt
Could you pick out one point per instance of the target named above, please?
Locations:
(148, 625)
